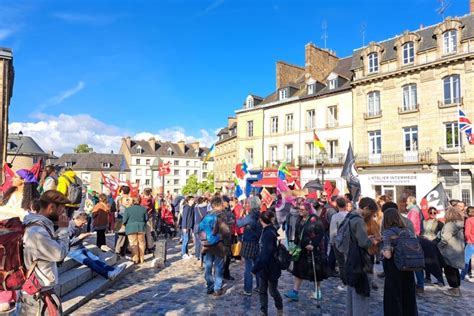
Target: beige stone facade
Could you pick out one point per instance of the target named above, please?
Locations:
(6, 90)
(406, 95)
(225, 157)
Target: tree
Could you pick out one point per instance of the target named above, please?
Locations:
(208, 184)
(83, 149)
(192, 185)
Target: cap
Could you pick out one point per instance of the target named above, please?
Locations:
(53, 196)
(226, 199)
(27, 175)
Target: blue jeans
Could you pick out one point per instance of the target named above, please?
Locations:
(468, 253)
(84, 256)
(248, 276)
(184, 246)
(197, 246)
(420, 279)
(213, 280)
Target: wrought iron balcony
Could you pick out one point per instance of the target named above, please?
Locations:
(395, 158)
(276, 163)
(452, 103)
(320, 158)
(409, 109)
(332, 124)
(373, 114)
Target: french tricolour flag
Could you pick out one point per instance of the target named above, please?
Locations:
(465, 126)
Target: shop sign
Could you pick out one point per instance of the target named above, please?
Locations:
(295, 173)
(408, 179)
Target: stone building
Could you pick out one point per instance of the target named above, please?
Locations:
(225, 157)
(23, 152)
(144, 156)
(406, 94)
(6, 91)
(90, 166)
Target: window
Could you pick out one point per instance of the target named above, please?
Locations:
(332, 116)
(373, 63)
(373, 107)
(452, 89)
(147, 182)
(311, 119)
(176, 172)
(137, 181)
(249, 155)
(288, 153)
(176, 191)
(137, 162)
(449, 41)
(204, 166)
(69, 164)
(139, 150)
(122, 177)
(332, 84)
(106, 165)
(449, 193)
(311, 88)
(408, 53)
(138, 172)
(274, 124)
(466, 196)
(188, 172)
(409, 97)
(250, 102)
(289, 122)
(283, 93)
(310, 150)
(195, 172)
(375, 143)
(250, 129)
(332, 148)
(170, 152)
(273, 153)
(148, 172)
(188, 163)
(147, 162)
(176, 182)
(176, 162)
(452, 137)
(411, 138)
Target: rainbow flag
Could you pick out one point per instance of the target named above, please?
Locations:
(283, 171)
(317, 142)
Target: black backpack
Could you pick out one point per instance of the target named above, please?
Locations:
(407, 252)
(74, 191)
(283, 257)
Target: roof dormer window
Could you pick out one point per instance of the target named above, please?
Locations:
(139, 150)
(449, 42)
(311, 88)
(332, 83)
(373, 62)
(170, 151)
(408, 53)
(68, 164)
(283, 94)
(106, 165)
(249, 102)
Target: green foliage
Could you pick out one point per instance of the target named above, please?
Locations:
(193, 186)
(83, 149)
(208, 184)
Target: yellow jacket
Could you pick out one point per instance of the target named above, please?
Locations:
(63, 184)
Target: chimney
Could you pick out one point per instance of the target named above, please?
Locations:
(319, 62)
(231, 120)
(152, 142)
(195, 145)
(182, 146)
(286, 73)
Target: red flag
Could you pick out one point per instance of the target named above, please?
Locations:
(328, 188)
(239, 173)
(267, 198)
(133, 189)
(164, 169)
(312, 195)
(111, 183)
(9, 174)
(335, 192)
(37, 168)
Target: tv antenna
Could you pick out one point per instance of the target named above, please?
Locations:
(324, 37)
(443, 6)
(363, 28)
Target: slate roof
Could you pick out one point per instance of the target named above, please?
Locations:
(94, 161)
(427, 41)
(161, 149)
(24, 145)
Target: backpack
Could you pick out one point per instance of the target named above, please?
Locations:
(283, 257)
(407, 252)
(13, 273)
(74, 191)
(208, 230)
(342, 240)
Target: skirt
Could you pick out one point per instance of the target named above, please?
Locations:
(249, 250)
(303, 268)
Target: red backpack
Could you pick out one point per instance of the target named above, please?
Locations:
(13, 273)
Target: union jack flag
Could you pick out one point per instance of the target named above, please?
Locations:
(465, 126)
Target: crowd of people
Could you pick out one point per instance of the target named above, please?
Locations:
(323, 237)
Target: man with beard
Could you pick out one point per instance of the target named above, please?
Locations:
(43, 248)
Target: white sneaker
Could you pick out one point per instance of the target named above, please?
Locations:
(115, 272)
(106, 248)
(186, 256)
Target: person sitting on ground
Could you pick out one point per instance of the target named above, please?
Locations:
(42, 249)
(82, 255)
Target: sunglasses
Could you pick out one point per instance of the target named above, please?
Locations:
(433, 213)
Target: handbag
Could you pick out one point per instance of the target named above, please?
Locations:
(295, 249)
(235, 249)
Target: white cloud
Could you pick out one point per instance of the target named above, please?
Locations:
(6, 32)
(61, 96)
(62, 133)
(85, 18)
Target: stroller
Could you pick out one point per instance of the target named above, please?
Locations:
(165, 223)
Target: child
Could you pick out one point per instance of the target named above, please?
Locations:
(82, 255)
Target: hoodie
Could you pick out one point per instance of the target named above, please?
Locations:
(39, 246)
(63, 184)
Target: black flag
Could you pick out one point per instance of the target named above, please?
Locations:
(349, 173)
(437, 197)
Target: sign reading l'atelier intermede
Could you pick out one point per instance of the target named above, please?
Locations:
(404, 179)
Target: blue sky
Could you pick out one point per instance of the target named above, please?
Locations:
(95, 70)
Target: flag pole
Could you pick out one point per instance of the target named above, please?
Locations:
(314, 155)
(459, 155)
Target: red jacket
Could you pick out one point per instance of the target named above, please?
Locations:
(238, 212)
(469, 230)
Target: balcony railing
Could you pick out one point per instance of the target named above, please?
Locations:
(373, 114)
(338, 159)
(395, 158)
(276, 163)
(408, 109)
(332, 124)
(455, 102)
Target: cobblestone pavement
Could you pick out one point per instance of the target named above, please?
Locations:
(179, 289)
